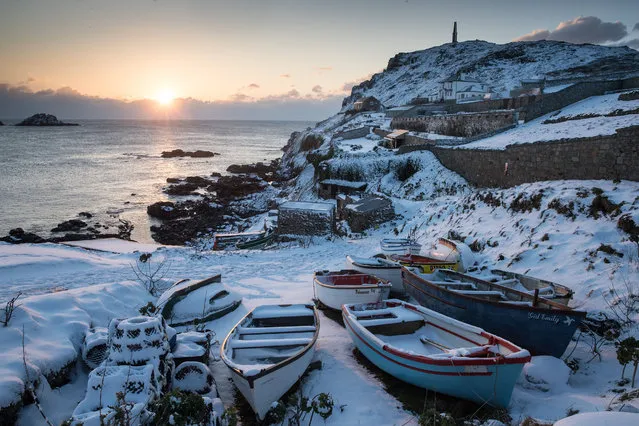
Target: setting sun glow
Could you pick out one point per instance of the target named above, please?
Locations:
(165, 97)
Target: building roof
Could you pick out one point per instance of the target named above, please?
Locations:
(307, 205)
(344, 183)
(396, 134)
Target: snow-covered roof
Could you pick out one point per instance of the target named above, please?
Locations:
(402, 108)
(307, 205)
(396, 133)
(344, 183)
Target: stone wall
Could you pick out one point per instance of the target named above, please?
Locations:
(305, 222)
(360, 132)
(464, 125)
(603, 157)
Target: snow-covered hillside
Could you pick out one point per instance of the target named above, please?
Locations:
(501, 66)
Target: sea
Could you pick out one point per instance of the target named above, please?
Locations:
(114, 168)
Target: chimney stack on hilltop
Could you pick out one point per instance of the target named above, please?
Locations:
(455, 33)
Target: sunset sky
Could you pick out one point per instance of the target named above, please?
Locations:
(249, 51)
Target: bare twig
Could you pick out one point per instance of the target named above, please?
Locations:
(29, 386)
(9, 309)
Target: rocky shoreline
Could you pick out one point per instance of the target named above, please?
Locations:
(204, 205)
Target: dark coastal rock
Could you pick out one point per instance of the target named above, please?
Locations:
(228, 188)
(193, 218)
(200, 181)
(181, 189)
(18, 236)
(85, 214)
(70, 225)
(173, 180)
(195, 154)
(44, 120)
(1, 123)
(164, 210)
(216, 174)
(265, 171)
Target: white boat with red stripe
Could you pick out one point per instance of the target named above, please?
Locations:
(433, 351)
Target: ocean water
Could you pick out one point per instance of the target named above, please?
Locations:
(104, 167)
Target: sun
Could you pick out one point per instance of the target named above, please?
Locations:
(165, 97)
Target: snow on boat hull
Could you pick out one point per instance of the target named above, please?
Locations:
(487, 378)
(269, 350)
(399, 246)
(545, 329)
(548, 289)
(333, 289)
(381, 268)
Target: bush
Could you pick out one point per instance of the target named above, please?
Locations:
(405, 169)
(311, 141)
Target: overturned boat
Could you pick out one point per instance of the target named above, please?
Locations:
(432, 351)
(399, 246)
(189, 302)
(335, 288)
(269, 350)
(540, 325)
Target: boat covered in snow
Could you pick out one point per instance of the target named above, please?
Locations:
(242, 240)
(399, 246)
(269, 350)
(432, 351)
(547, 289)
(335, 288)
(540, 325)
(447, 250)
(187, 302)
(389, 268)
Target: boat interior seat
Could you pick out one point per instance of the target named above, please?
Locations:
(265, 343)
(391, 321)
(276, 330)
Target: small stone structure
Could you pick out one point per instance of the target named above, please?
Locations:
(359, 132)
(329, 188)
(306, 218)
(369, 103)
(363, 212)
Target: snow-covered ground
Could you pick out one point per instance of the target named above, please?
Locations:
(536, 130)
(541, 242)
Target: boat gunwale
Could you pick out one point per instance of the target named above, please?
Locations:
(381, 283)
(557, 286)
(446, 362)
(268, 370)
(554, 306)
(370, 266)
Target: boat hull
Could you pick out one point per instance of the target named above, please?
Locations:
(263, 391)
(541, 331)
(392, 274)
(492, 384)
(335, 296)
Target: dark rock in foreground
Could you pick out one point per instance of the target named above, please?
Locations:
(70, 225)
(195, 154)
(44, 120)
(17, 236)
(191, 218)
(164, 210)
(1, 123)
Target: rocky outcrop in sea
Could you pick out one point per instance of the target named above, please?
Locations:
(195, 154)
(43, 120)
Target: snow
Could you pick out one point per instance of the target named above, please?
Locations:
(536, 131)
(325, 208)
(558, 88)
(600, 419)
(116, 245)
(359, 146)
(55, 323)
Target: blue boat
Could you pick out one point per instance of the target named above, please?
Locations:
(432, 351)
(542, 326)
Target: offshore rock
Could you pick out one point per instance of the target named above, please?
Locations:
(18, 236)
(194, 154)
(70, 225)
(265, 171)
(164, 210)
(44, 120)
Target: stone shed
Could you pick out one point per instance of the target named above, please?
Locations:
(364, 212)
(368, 103)
(329, 188)
(306, 218)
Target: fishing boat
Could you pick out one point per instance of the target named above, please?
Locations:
(389, 268)
(432, 351)
(399, 246)
(540, 325)
(269, 350)
(188, 302)
(447, 250)
(547, 289)
(242, 240)
(335, 288)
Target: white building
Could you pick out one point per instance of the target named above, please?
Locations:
(463, 89)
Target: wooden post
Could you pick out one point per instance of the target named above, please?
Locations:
(536, 297)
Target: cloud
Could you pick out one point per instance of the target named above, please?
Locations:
(636, 27)
(285, 75)
(18, 102)
(317, 89)
(583, 29)
(253, 86)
